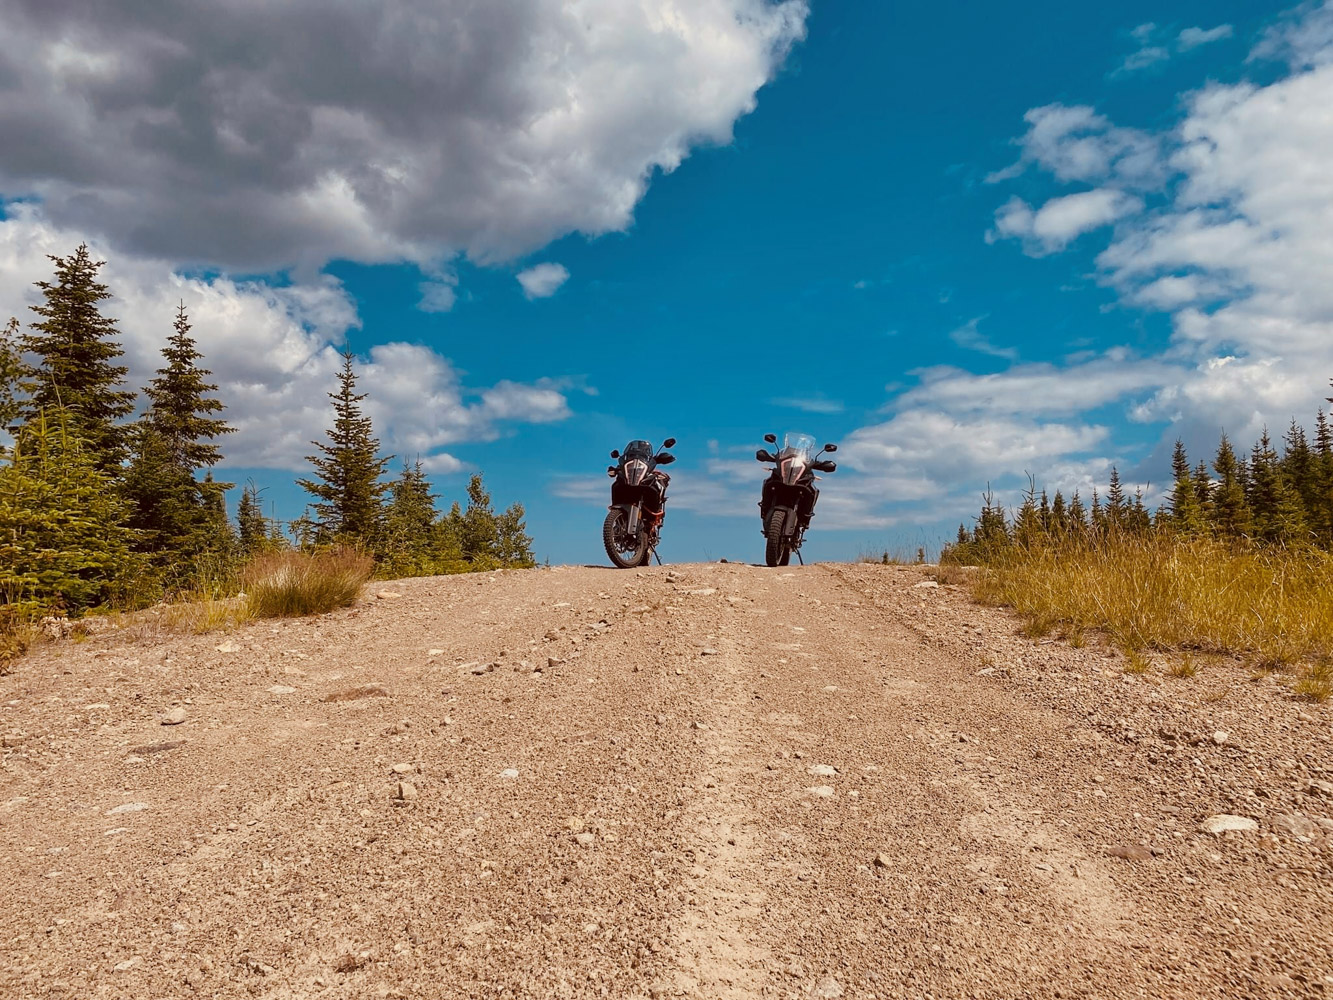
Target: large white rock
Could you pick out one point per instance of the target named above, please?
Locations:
(1226, 823)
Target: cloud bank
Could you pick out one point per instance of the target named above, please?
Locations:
(264, 137)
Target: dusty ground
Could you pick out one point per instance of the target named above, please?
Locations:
(730, 782)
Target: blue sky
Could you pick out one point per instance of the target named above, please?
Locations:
(964, 244)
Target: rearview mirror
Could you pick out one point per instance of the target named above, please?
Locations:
(771, 438)
(830, 447)
(615, 452)
(669, 443)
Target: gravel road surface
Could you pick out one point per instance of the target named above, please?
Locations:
(706, 781)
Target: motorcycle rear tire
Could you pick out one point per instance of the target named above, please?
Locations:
(776, 550)
(623, 558)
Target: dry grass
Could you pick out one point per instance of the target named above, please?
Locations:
(202, 613)
(288, 584)
(1272, 605)
(1184, 667)
(1317, 682)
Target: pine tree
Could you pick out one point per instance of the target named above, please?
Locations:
(1116, 509)
(1078, 516)
(1027, 522)
(992, 530)
(179, 403)
(478, 527)
(1059, 516)
(1137, 519)
(251, 530)
(1203, 491)
(62, 541)
(1321, 513)
(11, 371)
(513, 544)
(76, 350)
(1230, 513)
(1188, 515)
(178, 518)
(1181, 477)
(1275, 507)
(348, 492)
(409, 521)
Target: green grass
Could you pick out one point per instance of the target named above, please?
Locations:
(290, 584)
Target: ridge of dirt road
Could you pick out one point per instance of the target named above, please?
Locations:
(704, 780)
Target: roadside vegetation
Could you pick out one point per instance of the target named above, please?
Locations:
(101, 509)
(1237, 560)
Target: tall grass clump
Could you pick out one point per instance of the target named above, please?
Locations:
(1164, 592)
(292, 583)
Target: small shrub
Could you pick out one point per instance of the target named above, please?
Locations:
(1075, 636)
(1136, 662)
(1184, 667)
(202, 613)
(290, 584)
(1316, 684)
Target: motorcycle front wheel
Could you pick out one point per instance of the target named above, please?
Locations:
(624, 549)
(776, 550)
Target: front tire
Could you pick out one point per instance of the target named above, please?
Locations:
(624, 551)
(776, 552)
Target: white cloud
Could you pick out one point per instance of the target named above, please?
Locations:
(543, 280)
(274, 353)
(1062, 220)
(267, 136)
(1192, 38)
(970, 338)
(1237, 246)
(810, 404)
(1075, 143)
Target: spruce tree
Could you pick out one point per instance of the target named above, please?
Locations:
(1275, 507)
(1059, 516)
(11, 371)
(1321, 513)
(178, 517)
(179, 404)
(478, 528)
(348, 491)
(1078, 516)
(76, 351)
(408, 521)
(513, 544)
(1188, 515)
(252, 532)
(1230, 513)
(1181, 477)
(63, 545)
(1116, 508)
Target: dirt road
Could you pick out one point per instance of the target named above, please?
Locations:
(712, 781)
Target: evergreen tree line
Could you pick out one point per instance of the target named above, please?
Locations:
(1265, 497)
(96, 507)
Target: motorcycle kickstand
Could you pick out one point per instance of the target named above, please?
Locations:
(656, 556)
(798, 557)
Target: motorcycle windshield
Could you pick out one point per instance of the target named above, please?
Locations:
(639, 449)
(798, 451)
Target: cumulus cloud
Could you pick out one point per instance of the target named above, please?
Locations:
(1061, 220)
(1075, 143)
(543, 280)
(274, 352)
(264, 137)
